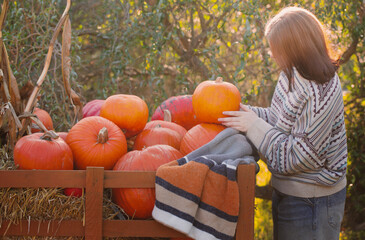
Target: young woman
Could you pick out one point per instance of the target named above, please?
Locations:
(302, 134)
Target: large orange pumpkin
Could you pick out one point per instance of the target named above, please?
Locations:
(129, 112)
(157, 135)
(211, 98)
(43, 151)
(198, 136)
(96, 141)
(139, 203)
(44, 117)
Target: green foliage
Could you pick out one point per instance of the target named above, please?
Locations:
(27, 33)
(159, 48)
(355, 116)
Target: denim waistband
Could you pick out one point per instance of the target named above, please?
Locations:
(307, 190)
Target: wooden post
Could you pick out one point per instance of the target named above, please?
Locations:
(246, 179)
(94, 203)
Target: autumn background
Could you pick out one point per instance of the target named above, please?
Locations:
(156, 49)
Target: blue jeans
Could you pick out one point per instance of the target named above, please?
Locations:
(298, 218)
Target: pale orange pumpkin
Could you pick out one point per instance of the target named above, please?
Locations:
(198, 136)
(167, 123)
(129, 112)
(44, 117)
(96, 141)
(45, 151)
(139, 202)
(157, 135)
(211, 98)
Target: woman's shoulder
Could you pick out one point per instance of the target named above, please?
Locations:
(300, 85)
(310, 86)
(301, 82)
(321, 94)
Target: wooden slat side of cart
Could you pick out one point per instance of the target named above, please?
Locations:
(94, 180)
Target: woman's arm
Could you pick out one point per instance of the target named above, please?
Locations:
(317, 142)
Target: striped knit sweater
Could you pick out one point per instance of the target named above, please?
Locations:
(303, 137)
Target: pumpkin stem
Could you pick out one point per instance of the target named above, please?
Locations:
(49, 135)
(103, 135)
(167, 115)
(219, 80)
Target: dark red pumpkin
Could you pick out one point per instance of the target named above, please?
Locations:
(139, 203)
(181, 109)
(96, 141)
(45, 151)
(92, 108)
(129, 112)
(198, 136)
(44, 117)
(76, 192)
(157, 135)
(211, 98)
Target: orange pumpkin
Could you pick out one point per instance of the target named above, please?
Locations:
(211, 98)
(44, 117)
(96, 141)
(139, 202)
(198, 136)
(129, 112)
(157, 135)
(166, 123)
(45, 151)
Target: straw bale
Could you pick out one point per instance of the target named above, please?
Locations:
(48, 204)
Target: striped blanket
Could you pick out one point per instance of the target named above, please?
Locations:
(198, 194)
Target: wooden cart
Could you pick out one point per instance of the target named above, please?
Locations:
(94, 180)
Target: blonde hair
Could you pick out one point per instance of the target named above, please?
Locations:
(297, 39)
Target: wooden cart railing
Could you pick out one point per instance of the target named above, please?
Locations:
(94, 180)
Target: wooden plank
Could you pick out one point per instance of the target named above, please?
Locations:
(94, 203)
(138, 228)
(246, 179)
(42, 178)
(57, 228)
(129, 179)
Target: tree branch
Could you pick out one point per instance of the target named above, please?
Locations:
(186, 55)
(355, 39)
(346, 55)
(202, 37)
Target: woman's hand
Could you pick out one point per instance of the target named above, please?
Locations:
(240, 120)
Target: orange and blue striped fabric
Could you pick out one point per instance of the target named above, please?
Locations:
(198, 194)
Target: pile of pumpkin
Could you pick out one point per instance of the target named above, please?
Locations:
(116, 134)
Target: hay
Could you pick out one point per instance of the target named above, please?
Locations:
(48, 204)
